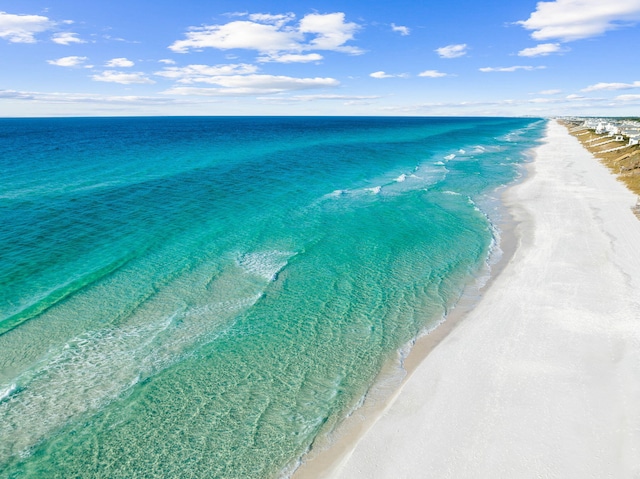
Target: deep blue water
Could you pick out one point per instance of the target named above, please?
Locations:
(202, 297)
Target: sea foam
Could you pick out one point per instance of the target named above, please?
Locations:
(265, 264)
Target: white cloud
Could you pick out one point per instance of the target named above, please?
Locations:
(510, 69)
(72, 61)
(22, 28)
(118, 39)
(236, 80)
(274, 35)
(204, 73)
(66, 38)
(456, 105)
(198, 91)
(81, 98)
(543, 49)
(279, 19)
(327, 97)
(291, 58)
(404, 31)
(271, 82)
(568, 102)
(568, 20)
(335, 97)
(124, 78)
(236, 14)
(239, 34)
(119, 63)
(167, 61)
(382, 74)
(627, 98)
(612, 86)
(452, 51)
(239, 85)
(550, 92)
(331, 32)
(432, 74)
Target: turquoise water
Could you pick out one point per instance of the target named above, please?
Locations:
(203, 297)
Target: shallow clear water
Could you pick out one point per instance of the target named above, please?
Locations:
(201, 297)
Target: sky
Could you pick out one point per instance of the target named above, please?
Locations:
(362, 57)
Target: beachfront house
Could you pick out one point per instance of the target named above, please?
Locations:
(630, 130)
(612, 129)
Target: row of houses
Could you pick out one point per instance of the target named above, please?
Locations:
(618, 130)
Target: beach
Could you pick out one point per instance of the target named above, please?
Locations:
(540, 379)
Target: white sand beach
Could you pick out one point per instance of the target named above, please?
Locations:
(542, 378)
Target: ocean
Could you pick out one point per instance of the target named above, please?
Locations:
(207, 296)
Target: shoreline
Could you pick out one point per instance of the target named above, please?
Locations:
(337, 444)
(520, 388)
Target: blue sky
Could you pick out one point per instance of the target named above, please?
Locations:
(373, 57)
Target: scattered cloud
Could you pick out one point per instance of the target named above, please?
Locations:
(239, 34)
(66, 38)
(337, 97)
(166, 61)
(568, 20)
(240, 85)
(612, 86)
(452, 51)
(404, 31)
(627, 98)
(550, 92)
(382, 74)
(456, 105)
(81, 98)
(291, 58)
(72, 61)
(274, 35)
(119, 63)
(278, 19)
(236, 80)
(327, 97)
(23, 28)
(510, 69)
(537, 106)
(124, 78)
(236, 14)
(205, 73)
(541, 50)
(331, 32)
(432, 74)
(118, 39)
